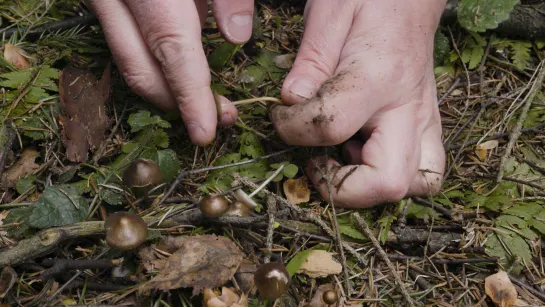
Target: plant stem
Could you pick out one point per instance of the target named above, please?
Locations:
(264, 184)
(257, 99)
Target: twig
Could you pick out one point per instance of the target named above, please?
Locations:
(316, 220)
(397, 257)
(100, 151)
(58, 266)
(535, 292)
(483, 62)
(271, 210)
(184, 174)
(446, 212)
(10, 135)
(515, 134)
(335, 223)
(362, 225)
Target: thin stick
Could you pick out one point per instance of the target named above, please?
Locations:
(184, 174)
(258, 99)
(266, 182)
(271, 210)
(515, 134)
(362, 225)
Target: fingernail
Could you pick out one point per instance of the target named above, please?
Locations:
(197, 133)
(227, 118)
(239, 27)
(305, 88)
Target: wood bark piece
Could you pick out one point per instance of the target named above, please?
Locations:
(83, 111)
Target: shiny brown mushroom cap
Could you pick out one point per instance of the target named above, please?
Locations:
(125, 230)
(272, 280)
(142, 173)
(330, 297)
(213, 206)
(239, 209)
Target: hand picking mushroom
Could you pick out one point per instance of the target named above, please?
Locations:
(272, 280)
(142, 175)
(125, 230)
(213, 206)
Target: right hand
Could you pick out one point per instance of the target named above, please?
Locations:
(157, 47)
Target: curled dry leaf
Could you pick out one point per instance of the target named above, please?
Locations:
(16, 56)
(320, 263)
(24, 166)
(500, 289)
(227, 298)
(296, 190)
(196, 262)
(8, 276)
(83, 111)
(482, 149)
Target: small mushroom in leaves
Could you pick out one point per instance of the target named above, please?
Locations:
(330, 297)
(213, 206)
(272, 280)
(125, 230)
(142, 175)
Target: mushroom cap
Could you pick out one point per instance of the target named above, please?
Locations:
(213, 206)
(330, 297)
(125, 230)
(141, 173)
(238, 208)
(272, 280)
(245, 198)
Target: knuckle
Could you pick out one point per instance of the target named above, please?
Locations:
(141, 82)
(394, 188)
(168, 49)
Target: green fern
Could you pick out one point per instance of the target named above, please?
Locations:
(520, 53)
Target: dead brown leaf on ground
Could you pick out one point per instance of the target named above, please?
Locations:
(500, 289)
(83, 110)
(198, 262)
(320, 263)
(16, 56)
(22, 167)
(297, 190)
(227, 298)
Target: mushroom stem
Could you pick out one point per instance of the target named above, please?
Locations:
(257, 99)
(264, 184)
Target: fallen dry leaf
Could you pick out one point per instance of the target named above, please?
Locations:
(500, 289)
(320, 263)
(483, 148)
(83, 111)
(16, 56)
(227, 298)
(199, 262)
(22, 167)
(296, 190)
(8, 276)
(245, 276)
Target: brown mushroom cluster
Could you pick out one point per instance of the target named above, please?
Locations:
(213, 206)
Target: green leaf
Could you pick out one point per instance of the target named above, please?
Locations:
(143, 119)
(521, 53)
(266, 60)
(221, 55)
(297, 261)
(538, 225)
(385, 224)
(25, 184)
(352, 232)
(290, 170)
(111, 192)
(18, 216)
(524, 210)
(509, 221)
(167, 160)
(58, 208)
(250, 146)
(510, 248)
(253, 75)
(441, 48)
(472, 54)
(482, 15)
(421, 212)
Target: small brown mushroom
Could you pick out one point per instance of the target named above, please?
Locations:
(272, 280)
(142, 175)
(330, 297)
(245, 198)
(213, 206)
(125, 230)
(238, 208)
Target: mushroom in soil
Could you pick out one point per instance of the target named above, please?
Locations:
(239, 209)
(142, 175)
(330, 297)
(213, 206)
(125, 230)
(272, 280)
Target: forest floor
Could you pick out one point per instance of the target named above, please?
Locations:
(488, 219)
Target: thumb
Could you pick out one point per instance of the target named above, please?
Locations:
(327, 25)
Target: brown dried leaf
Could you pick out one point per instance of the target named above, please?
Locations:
(24, 166)
(500, 289)
(245, 276)
(199, 262)
(83, 111)
(8, 276)
(296, 190)
(320, 263)
(483, 148)
(16, 56)
(228, 298)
